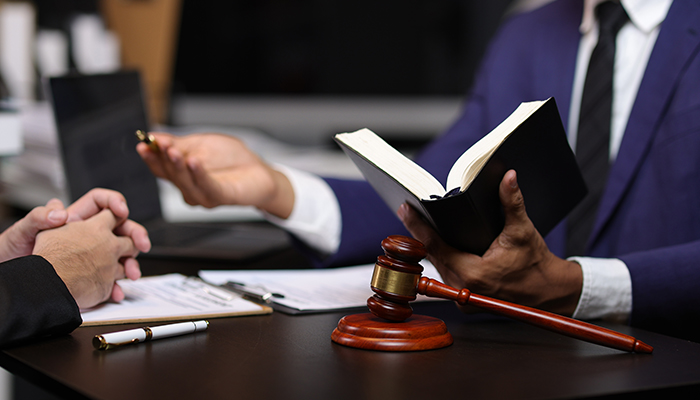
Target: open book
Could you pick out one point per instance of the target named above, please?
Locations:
(467, 213)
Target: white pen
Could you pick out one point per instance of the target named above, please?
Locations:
(113, 339)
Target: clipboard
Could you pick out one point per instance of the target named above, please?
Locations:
(171, 297)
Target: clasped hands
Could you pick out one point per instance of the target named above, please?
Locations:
(90, 244)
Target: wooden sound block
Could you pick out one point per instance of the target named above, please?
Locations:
(365, 331)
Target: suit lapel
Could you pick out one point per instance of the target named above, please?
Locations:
(677, 42)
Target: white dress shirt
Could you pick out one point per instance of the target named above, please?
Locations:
(607, 287)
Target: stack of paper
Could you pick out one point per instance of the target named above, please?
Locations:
(312, 290)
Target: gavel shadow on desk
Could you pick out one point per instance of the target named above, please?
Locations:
(391, 326)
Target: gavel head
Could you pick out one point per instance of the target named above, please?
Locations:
(395, 277)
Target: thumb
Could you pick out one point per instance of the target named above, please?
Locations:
(518, 227)
(512, 199)
(50, 216)
(56, 215)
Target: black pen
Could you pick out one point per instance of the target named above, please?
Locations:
(249, 294)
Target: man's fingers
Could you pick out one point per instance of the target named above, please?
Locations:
(117, 293)
(421, 231)
(129, 270)
(125, 245)
(172, 160)
(171, 164)
(41, 218)
(54, 204)
(137, 233)
(96, 200)
(518, 230)
(156, 161)
(207, 188)
(105, 219)
(56, 215)
(412, 221)
(182, 177)
(512, 199)
(151, 159)
(164, 140)
(132, 270)
(125, 248)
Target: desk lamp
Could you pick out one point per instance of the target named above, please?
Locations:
(391, 325)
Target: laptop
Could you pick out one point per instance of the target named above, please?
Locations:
(96, 119)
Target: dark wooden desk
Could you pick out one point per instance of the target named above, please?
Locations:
(280, 356)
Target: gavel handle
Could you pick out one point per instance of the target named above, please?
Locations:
(553, 322)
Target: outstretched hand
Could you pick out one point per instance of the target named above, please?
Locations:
(212, 169)
(518, 267)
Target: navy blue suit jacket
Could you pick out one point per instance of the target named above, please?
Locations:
(650, 213)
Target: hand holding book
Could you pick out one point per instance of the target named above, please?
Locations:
(531, 141)
(518, 267)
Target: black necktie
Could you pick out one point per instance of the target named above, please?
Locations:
(593, 139)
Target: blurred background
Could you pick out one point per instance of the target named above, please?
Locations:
(285, 75)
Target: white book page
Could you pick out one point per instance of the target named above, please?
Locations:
(470, 163)
(417, 180)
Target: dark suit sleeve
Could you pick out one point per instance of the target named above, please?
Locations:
(665, 289)
(34, 301)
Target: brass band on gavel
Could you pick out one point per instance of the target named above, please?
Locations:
(391, 281)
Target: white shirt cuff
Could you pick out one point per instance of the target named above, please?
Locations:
(607, 289)
(315, 218)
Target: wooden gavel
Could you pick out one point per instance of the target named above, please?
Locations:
(397, 279)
